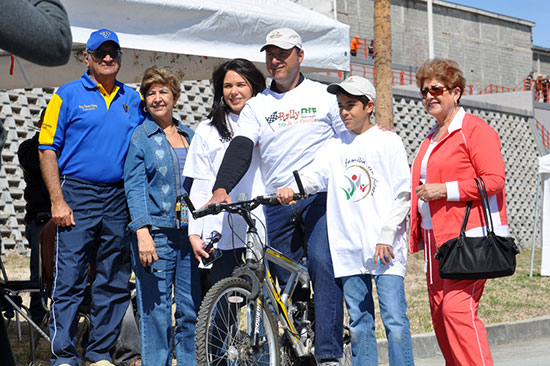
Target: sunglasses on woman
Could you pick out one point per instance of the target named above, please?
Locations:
(435, 91)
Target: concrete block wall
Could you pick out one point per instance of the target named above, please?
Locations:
(19, 110)
(489, 48)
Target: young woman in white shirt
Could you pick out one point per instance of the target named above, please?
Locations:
(234, 83)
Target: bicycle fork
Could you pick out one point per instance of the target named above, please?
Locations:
(257, 321)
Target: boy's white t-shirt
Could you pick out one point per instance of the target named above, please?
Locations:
(203, 162)
(289, 128)
(366, 177)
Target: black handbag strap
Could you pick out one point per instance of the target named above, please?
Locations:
(485, 202)
(466, 216)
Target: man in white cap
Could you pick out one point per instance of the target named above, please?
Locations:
(366, 173)
(289, 122)
(83, 143)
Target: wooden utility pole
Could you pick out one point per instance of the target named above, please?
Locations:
(383, 63)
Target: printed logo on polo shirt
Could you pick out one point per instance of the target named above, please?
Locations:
(126, 108)
(88, 107)
(282, 119)
(358, 180)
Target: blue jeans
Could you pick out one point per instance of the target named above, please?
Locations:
(224, 266)
(393, 311)
(176, 268)
(284, 235)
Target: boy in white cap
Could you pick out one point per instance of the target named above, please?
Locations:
(366, 174)
(288, 122)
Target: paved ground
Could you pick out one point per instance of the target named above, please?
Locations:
(535, 352)
(520, 343)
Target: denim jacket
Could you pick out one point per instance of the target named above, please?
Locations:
(150, 176)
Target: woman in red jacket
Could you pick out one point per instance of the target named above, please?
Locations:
(459, 148)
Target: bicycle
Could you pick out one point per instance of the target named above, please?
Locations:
(234, 324)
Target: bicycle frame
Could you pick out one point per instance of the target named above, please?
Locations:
(258, 257)
(257, 270)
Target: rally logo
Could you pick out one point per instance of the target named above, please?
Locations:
(282, 119)
(358, 183)
(308, 112)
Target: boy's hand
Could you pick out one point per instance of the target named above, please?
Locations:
(286, 196)
(383, 254)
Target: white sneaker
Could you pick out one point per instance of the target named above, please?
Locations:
(102, 363)
(328, 363)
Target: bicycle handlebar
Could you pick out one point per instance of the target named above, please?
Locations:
(235, 207)
(242, 206)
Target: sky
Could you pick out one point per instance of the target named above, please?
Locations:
(537, 11)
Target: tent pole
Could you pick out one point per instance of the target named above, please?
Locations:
(535, 226)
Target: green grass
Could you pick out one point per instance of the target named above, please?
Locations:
(505, 299)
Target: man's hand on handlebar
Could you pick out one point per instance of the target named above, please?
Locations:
(286, 196)
(219, 196)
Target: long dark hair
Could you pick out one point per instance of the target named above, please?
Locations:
(219, 108)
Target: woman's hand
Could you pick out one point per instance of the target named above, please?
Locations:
(146, 247)
(385, 128)
(383, 254)
(286, 196)
(431, 191)
(198, 247)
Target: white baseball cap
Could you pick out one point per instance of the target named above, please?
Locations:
(284, 38)
(354, 85)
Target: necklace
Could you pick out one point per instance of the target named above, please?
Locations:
(170, 134)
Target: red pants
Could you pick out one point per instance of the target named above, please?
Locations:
(461, 335)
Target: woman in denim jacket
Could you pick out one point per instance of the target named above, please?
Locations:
(161, 254)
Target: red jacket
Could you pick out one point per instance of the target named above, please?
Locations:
(471, 148)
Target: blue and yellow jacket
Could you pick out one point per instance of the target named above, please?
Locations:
(90, 130)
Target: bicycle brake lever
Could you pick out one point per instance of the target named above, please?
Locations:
(299, 184)
(208, 210)
(190, 205)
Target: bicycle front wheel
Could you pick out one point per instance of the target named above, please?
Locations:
(223, 328)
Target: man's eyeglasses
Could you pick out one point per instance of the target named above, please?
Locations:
(100, 54)
(435, 91)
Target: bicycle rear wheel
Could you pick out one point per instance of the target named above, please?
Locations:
(222, 336)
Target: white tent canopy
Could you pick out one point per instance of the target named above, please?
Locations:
(191, 37)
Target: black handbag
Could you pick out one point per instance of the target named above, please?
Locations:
(474, 258)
